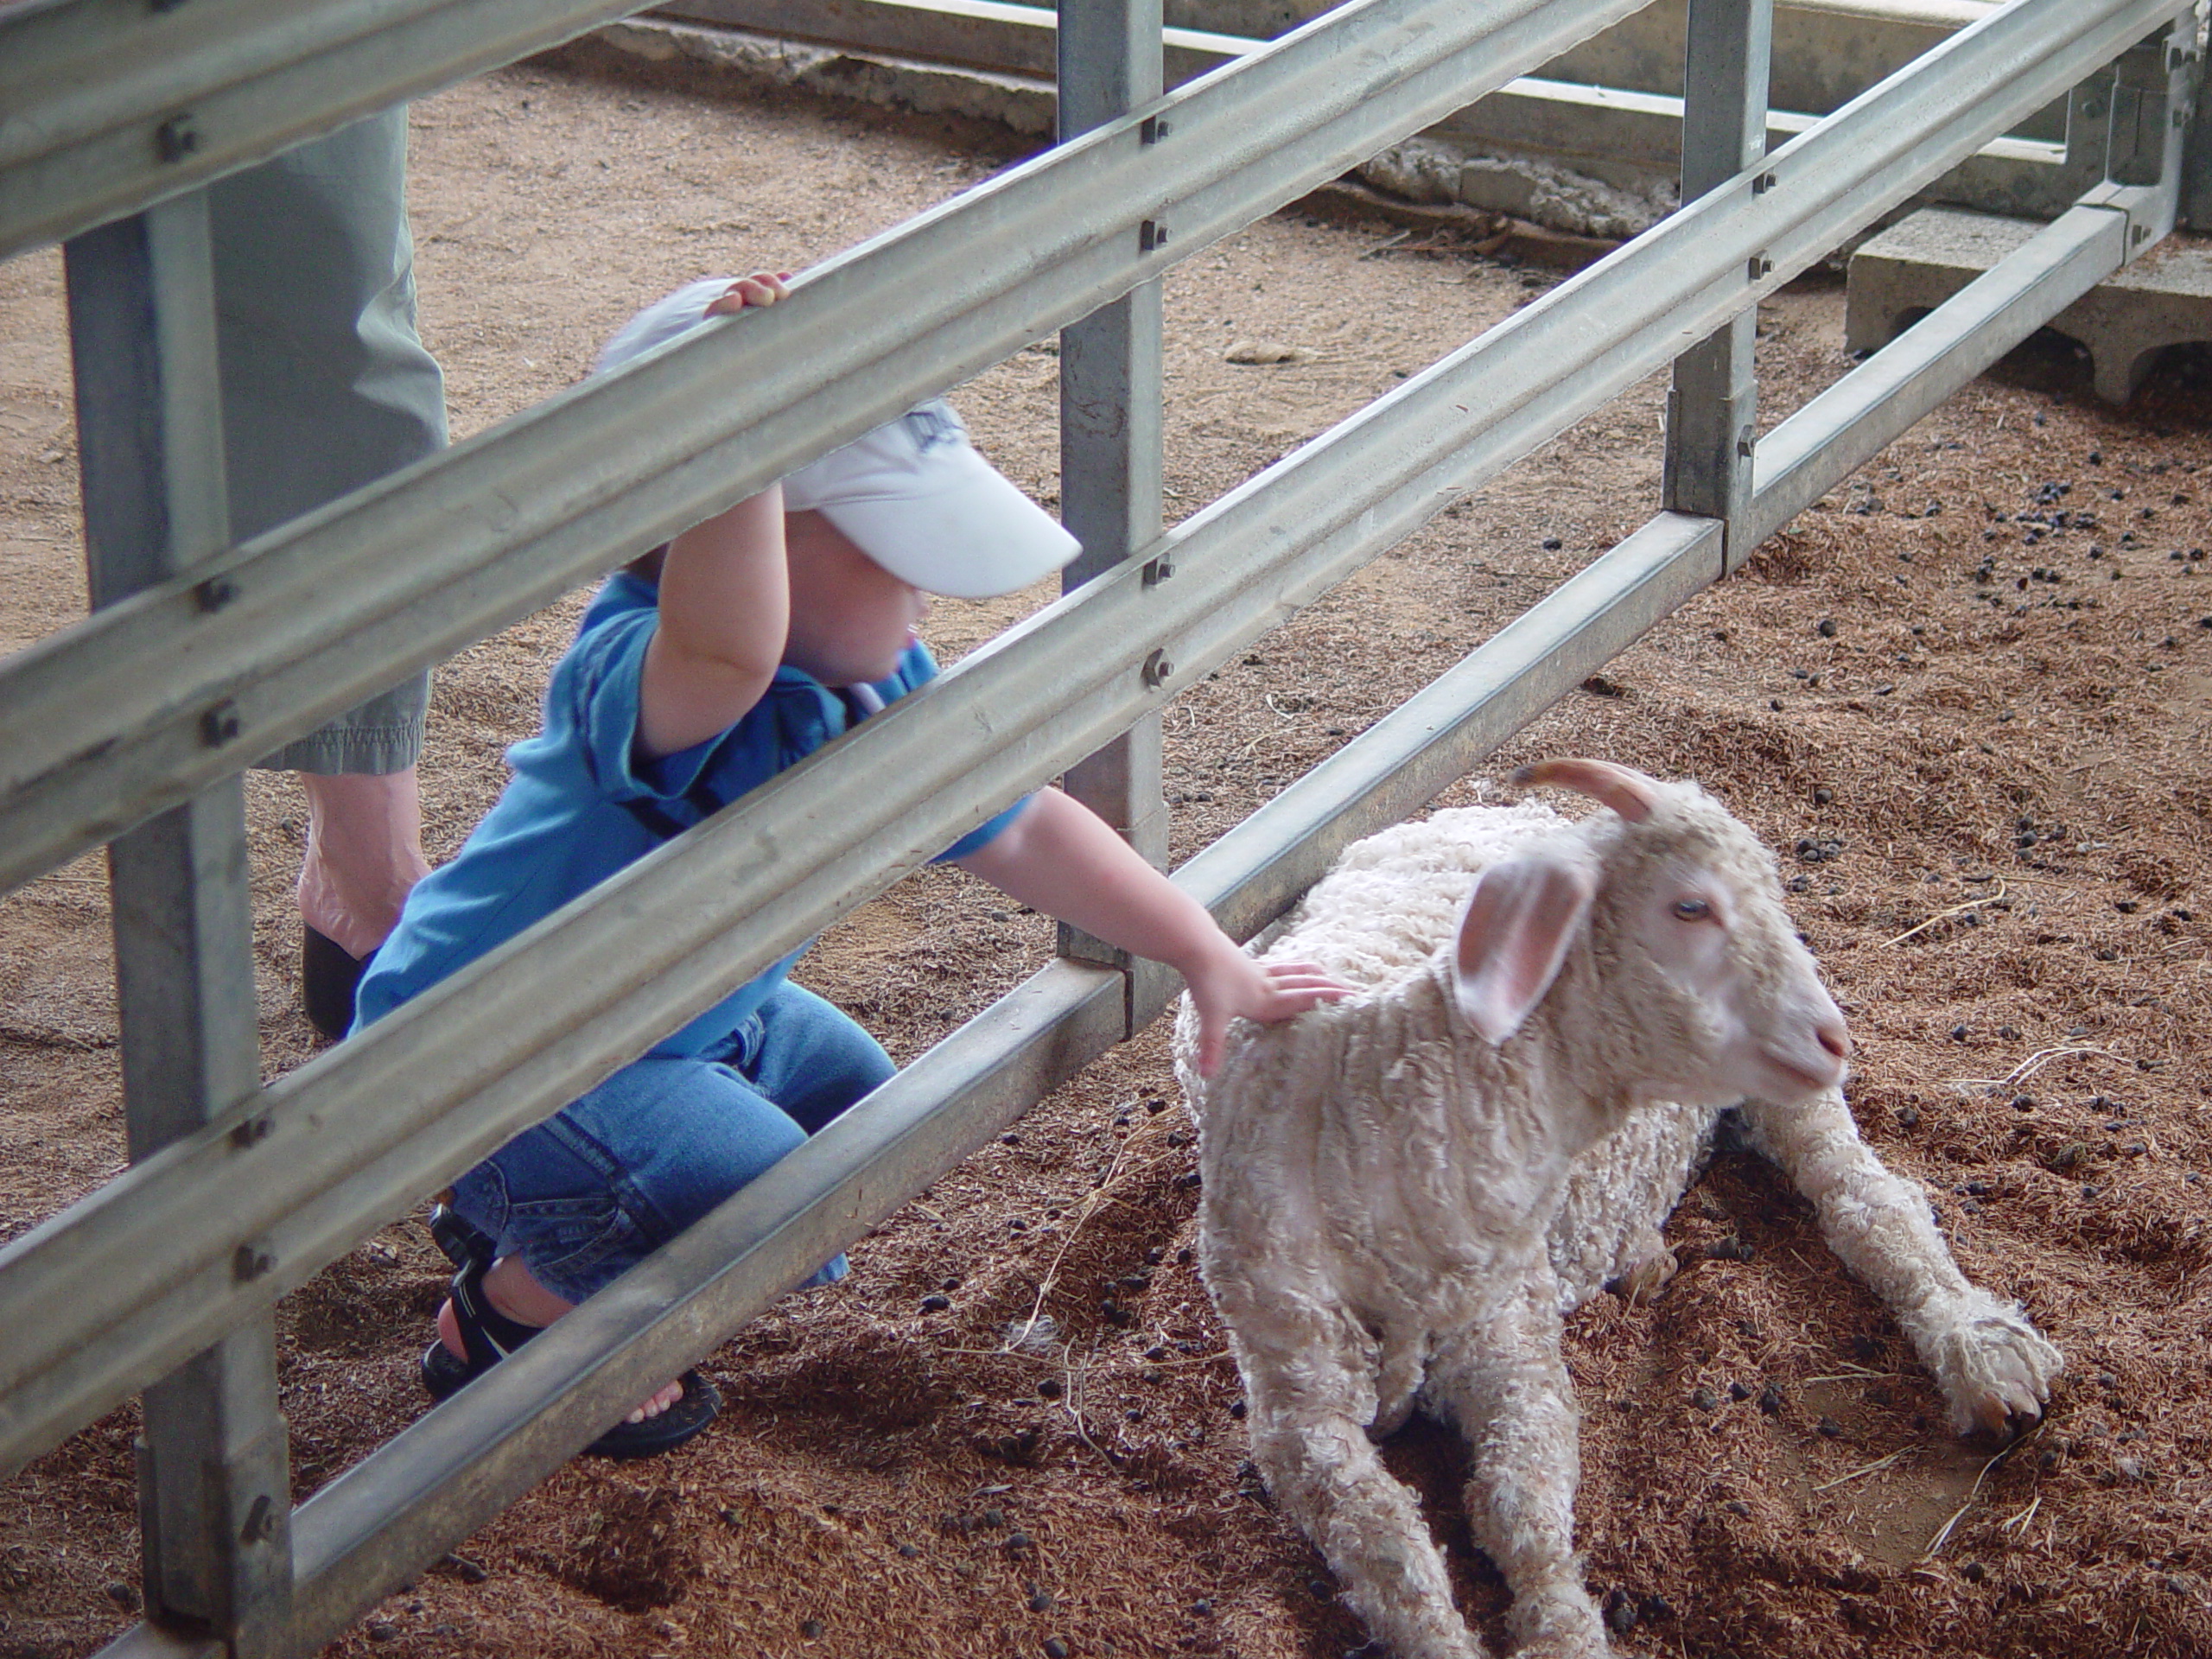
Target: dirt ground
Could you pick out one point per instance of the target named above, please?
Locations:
(1966, 697)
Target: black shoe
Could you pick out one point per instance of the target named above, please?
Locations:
(329, 974)
(490, 1336)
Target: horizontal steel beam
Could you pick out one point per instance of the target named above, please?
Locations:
(132, 711)
(1263, 865)
(1582, 124)
(104, 1296)
(981, 34)
(422, 1493)
(1853, 421)
(457, 1468)
(127, 714)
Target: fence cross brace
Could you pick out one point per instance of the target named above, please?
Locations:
(1712, 407)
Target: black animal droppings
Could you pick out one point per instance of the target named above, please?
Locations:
(934, 1303)
(1620, 1611)
(1770, 1400)
(1738, 1391)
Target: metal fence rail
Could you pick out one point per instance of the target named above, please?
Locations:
(112, 721)
(240, 650)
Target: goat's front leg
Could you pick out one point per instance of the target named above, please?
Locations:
(1993, 1366)
(1502, 1382)
(1313, 1448)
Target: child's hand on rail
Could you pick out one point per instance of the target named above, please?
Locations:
(761, 288)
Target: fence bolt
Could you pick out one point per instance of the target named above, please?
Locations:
(249, 1261)
(220, 724)
(1762, 184)
(163, 5)
(1152, 129)
(260, 1522)
(215, 593)
(176, 138)
(1157, 668)
(1157, 571)
(1152, 235)
(257, 1128)
(1761, 266)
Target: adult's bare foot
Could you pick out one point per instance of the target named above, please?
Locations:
(363, 854)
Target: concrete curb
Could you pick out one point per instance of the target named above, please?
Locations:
(2162, 298)
(1017, 103)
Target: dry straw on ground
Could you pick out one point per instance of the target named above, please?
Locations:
(1967, 698)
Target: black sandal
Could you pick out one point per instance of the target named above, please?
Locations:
(490, 1336)
(329, 975)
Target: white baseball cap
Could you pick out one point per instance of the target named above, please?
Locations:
(913, 494)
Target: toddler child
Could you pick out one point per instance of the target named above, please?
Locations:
(699, 672)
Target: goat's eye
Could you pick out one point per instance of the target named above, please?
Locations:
(1693, 910)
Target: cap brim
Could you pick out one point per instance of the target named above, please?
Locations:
(973, 536)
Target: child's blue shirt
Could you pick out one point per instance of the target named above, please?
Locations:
(581, 806)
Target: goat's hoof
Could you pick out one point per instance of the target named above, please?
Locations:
(1996, 1370)
(1645, 1280)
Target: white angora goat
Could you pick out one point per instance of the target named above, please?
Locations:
(1404, 1191)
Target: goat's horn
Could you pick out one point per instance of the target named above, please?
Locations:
(1627, 792)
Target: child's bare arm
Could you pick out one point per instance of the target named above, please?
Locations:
(1061, 858)
(725, 603)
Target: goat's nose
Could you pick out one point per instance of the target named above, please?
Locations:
(1833, 1038)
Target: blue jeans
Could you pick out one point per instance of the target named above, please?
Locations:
(620, 1171)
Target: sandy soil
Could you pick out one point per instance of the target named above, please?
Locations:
(1968, 698)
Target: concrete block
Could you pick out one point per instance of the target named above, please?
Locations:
(2163, 299)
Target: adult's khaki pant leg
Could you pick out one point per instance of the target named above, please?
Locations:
(326, 385)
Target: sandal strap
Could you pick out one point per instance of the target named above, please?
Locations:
(489, 1335)
(462, 1244)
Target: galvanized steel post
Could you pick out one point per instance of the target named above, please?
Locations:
(1711, 411)
(1110, 399)
(215, 1493)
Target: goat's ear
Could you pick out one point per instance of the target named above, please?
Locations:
(1514, 934)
